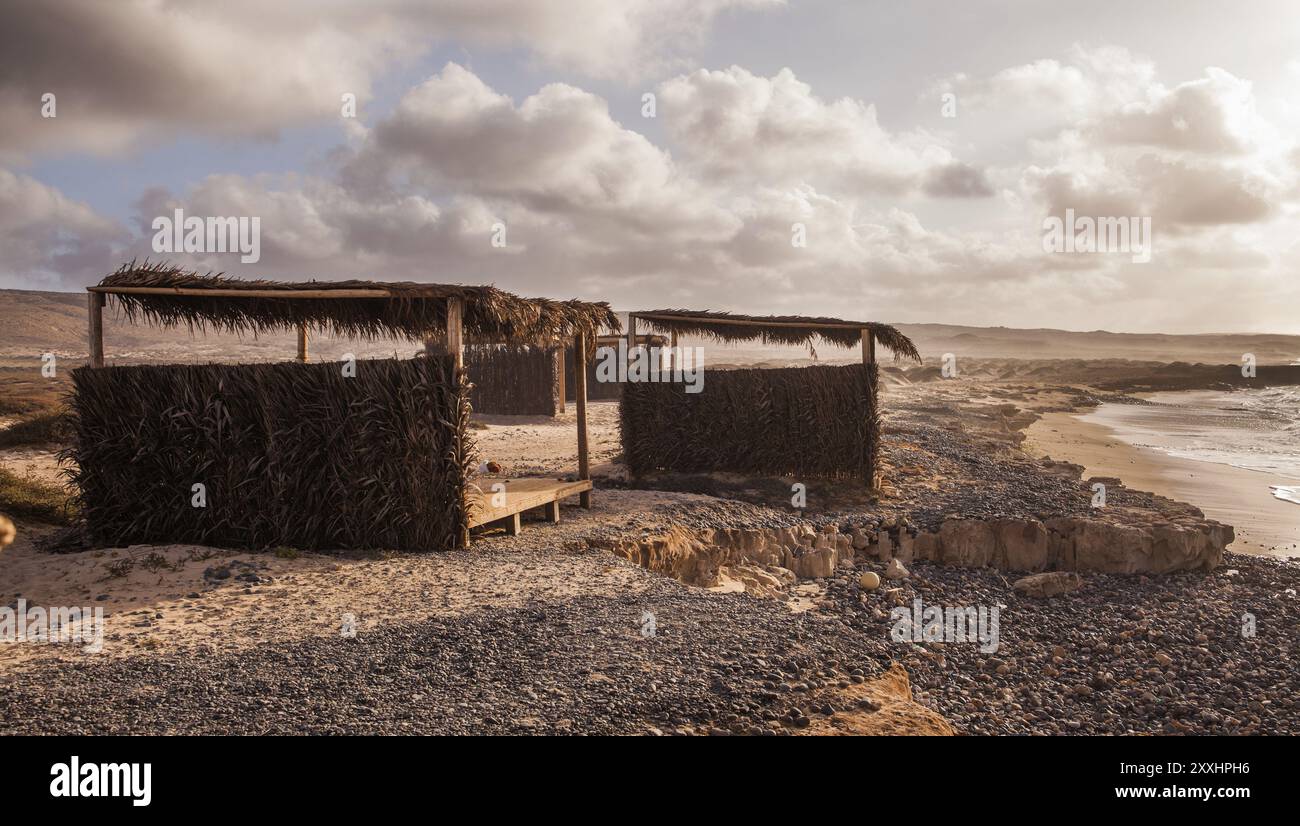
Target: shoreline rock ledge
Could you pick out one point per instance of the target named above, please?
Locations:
(1073, 543)
(1069, 544)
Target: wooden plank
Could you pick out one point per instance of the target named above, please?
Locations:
(580, 402)
(648, 339)
(95, 305)
(302, 343)
(521, 495)
(226, 292)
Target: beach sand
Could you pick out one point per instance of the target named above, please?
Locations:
(1235, 496)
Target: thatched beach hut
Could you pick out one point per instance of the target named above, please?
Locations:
(821, 421)
(375, 453)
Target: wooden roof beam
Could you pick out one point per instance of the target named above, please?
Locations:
(742, 322)
(218, 292)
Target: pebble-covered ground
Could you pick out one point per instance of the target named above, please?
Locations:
(949, 455)
(1125, 654)
(583, 665)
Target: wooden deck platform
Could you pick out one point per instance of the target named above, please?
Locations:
(522, 495)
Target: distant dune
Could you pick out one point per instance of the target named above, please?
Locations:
(1006, 342)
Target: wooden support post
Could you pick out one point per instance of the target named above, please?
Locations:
(455, 321)
(874, 479)
(302, 343)
(95, 303)
(553, 510)
(868, 347)
(631, 340)
(580, 402)
(557, 365)
(513, 527)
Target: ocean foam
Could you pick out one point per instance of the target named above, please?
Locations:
(1251, 429)
(1290, 493)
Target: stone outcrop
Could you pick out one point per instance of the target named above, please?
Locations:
(1076, 544)
(895, 570)
(698, 557)
(1082, 544)
(1008, 544)
(1050, 584)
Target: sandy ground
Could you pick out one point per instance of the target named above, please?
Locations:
(33, 462)
(170, 597)
(1238, 497)
(542, 445)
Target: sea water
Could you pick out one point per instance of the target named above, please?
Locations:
(1252, 429)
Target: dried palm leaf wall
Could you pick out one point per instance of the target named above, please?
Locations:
(513, 380)
(802, 422)
(597, 390)
(290, 454)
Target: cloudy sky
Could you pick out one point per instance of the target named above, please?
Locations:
(920, 146)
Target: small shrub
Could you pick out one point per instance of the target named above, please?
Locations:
(26, 497)
(157, 562)
(46, 427)
(23, 390)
